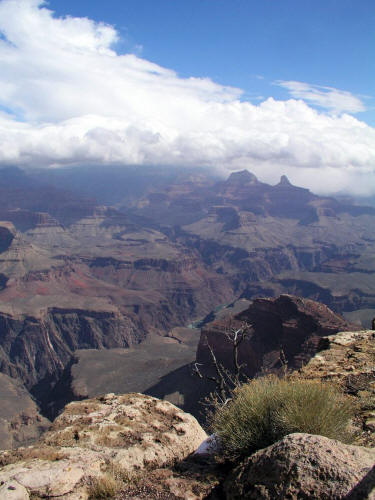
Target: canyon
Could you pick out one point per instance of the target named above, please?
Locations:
(89, 289)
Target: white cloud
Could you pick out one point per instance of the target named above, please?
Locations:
(338, 101)
(74, 100)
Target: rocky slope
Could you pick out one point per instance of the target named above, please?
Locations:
(135, 446)
(348, 359)
(75, 275)
(281, 333)
(20, 420)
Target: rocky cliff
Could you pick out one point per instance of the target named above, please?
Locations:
(277, 239)
(36, 348)
(103, 283)
(75, 275)
(281, 333)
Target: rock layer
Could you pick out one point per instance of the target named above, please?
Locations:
(36, 348)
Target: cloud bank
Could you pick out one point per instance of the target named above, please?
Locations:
(335, 100)
(67, 98)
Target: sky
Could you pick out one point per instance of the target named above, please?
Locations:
(274, 86)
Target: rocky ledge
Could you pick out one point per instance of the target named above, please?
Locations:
(138, 447)
(348, 358)
(98, 440)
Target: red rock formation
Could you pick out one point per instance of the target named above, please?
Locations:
(288, 324)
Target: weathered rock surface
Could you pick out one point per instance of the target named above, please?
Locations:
(305, 466)
(107, 435)
(137, 429)
(348, 358)
(287, 328)
(20, 420)
(12, 490)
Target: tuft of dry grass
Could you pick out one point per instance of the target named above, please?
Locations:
(268, 408)
(80, 408)
(42, 453)
(103, 487)
(122, 475)
(114, 480)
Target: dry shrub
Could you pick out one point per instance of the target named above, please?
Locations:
(103, 487)
(114, 480)
(21, 454)
(268, 408)
(121, 474)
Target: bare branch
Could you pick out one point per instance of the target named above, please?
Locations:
(196, 370)
(225, 380)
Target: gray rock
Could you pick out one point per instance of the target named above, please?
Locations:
(303, 466)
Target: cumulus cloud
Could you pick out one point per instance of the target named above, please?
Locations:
(335, 100)
(67, 97)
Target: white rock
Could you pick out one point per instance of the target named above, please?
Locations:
(209, 446)
(50, 478)
(11, 490)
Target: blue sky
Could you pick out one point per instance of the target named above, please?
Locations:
(250, 43)
(274, 86)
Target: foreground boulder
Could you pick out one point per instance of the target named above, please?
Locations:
(132, 434)
(305, 466)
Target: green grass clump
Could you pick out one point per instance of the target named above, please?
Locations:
(268, 408)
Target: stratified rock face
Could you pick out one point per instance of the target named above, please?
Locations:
(104, 283)
(348, 358)
(36, 348)
(20, 420)
(129, 433)
(275, 239)
(287, 327)
(304, 466)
